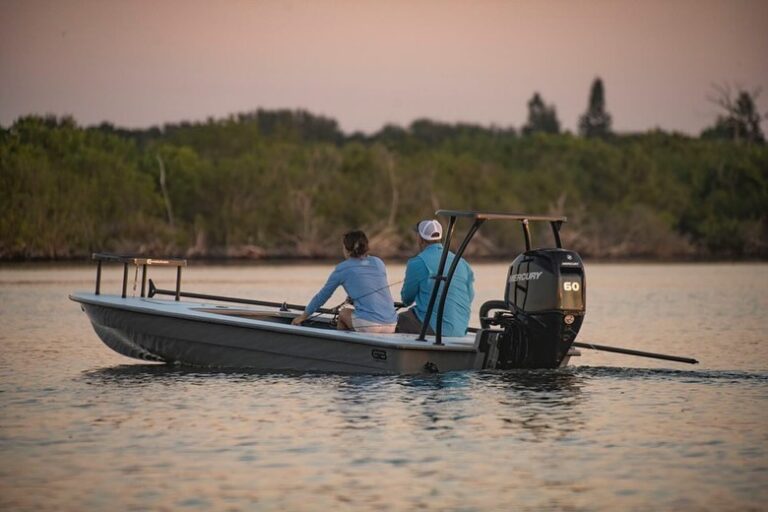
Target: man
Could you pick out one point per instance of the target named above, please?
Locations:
(419, 280)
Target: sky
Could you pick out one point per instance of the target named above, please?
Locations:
(138, 63)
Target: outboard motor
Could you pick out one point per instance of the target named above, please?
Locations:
(541, 314)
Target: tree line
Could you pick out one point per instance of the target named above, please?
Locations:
(285, 183)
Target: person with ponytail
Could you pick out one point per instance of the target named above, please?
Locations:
(364, 278)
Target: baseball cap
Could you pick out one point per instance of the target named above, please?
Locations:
(429, 230)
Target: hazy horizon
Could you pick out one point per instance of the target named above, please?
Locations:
(367, 64)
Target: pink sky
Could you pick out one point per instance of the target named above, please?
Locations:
(365, 63)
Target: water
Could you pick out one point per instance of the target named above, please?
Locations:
(83, 428)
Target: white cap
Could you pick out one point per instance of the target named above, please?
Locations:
(429, 230)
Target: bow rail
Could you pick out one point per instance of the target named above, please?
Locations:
(138, 261)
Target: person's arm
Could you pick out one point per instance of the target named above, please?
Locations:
(415, 272)
(334, 281)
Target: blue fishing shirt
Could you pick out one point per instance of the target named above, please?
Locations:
(365, 281)
(418, 287)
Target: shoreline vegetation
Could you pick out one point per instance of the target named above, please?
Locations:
(284, 185)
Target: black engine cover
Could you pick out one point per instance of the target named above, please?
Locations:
(546, 280)
(546, 298)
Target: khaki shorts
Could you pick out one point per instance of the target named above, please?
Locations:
(408, 322)
(361, 325)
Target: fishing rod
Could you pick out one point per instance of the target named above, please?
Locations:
(350, 300)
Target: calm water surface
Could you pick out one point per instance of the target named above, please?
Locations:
(82, 428)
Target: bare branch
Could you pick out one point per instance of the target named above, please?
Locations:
(166, 197)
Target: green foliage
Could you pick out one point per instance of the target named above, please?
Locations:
(740, 121)
(289, 184)
(542, 118)
(595, 122)
(66, 190)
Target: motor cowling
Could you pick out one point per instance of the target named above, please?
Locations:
(546, 280)
(542, 311)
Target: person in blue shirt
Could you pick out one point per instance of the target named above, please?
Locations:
(364, 278)
(418, 283)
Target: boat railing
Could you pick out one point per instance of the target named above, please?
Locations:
(138, 262)
(478, 218)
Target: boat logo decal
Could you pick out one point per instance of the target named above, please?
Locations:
(379, 354)
(526, 276)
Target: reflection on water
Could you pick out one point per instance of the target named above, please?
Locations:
(82, 428)
(716, 377)
(150, 374)
(539, 404)
(535, 383)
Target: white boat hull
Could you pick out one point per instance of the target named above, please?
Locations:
(209, 335)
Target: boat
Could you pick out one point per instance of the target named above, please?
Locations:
(534, 326)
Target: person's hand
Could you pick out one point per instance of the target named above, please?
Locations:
(299, 319)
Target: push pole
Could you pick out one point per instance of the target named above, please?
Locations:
(284, 306)
(632, 352)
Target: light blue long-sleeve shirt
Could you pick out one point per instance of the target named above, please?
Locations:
(365, 281)
(418, 287)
